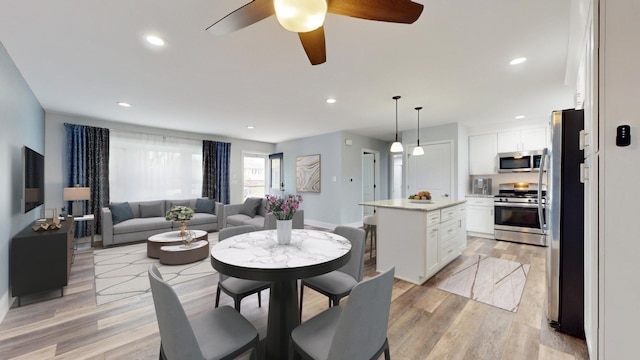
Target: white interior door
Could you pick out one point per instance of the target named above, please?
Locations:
(368, 181)
(431, 171)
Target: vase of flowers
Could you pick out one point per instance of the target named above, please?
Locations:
(283, 210)
(180, 214)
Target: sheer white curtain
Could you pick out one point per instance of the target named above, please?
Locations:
(153, 167)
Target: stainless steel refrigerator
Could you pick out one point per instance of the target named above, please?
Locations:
(564, 227)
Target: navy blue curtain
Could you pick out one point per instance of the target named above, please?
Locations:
(88, 166)
(215, 170)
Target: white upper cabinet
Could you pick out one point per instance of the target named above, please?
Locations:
(530, 139)
(482, 154)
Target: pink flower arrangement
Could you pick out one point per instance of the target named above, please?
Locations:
(283, 208)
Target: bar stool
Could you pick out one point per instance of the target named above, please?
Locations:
(371, 226)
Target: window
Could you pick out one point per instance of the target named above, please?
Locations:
(255, 175)
(153, 167)
(277, 183)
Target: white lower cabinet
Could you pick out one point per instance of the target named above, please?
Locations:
(480, 217)
(419, 243)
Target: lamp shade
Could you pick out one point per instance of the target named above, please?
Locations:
(300, 16)
(396, 147)
(418, 150)
(76, 193)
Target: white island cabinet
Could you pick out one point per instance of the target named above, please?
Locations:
(418, 239)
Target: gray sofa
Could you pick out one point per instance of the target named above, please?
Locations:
(148, 219)
(241, 214)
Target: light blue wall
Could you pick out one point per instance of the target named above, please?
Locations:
(337, 201)
(22, 121)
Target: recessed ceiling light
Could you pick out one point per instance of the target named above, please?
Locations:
(331, 101)
(520, 117)
(124, 104)
(250, 127)
(154, 40)
(517, 61)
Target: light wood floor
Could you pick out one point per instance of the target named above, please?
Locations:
(425, 323)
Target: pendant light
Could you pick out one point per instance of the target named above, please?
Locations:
(396, 146)
(418, 149)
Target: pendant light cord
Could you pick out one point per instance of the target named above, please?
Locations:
(396, 99)
(419, 108)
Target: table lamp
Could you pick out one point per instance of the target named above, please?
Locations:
(77, 194)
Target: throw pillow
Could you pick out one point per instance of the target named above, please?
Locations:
(205, 206)
(186, 203)
(120, 212)
(250, 206)
(151, 210)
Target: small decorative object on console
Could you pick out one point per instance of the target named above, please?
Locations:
(181, 214)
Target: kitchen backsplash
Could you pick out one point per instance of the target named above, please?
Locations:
(497, 179)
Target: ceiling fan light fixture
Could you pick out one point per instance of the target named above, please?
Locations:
(300, 16)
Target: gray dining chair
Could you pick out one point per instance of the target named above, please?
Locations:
(298, 221)
(220, 333)
(338, 283)
(237, 288)
(357, 331)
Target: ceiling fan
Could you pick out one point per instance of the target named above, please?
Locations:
(306, 17)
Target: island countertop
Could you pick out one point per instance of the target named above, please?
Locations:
(406, 204)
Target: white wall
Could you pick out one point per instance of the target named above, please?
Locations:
(56, 147)
(619, 178)
(22, 123)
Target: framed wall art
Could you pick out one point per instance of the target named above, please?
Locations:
(308, 173)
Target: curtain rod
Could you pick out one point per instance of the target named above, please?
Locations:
(143, 133)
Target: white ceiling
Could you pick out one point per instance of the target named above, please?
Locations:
(81, 57)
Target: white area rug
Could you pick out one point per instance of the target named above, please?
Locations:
(489, 280)
(121, 272)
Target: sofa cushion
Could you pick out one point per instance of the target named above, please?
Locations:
(120, 212)
(237, 219)
(202, 218)
(151, 210)
(205, 206)
(173, 203)
(250, 206)
(142, 224)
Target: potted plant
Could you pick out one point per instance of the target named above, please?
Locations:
(180, 214)
(283, 209)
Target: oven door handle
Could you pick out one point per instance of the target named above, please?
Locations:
(518, 205)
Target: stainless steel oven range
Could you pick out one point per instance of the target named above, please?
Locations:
(520, 213)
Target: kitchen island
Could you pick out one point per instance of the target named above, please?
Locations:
(418, 237)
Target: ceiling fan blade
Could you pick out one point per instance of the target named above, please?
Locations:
(397, 11)
(314, 45)
(247, 15)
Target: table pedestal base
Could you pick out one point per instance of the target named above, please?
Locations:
(282, 318)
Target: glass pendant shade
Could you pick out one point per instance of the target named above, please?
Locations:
(396, 147)
(418, 150)
(300, 15)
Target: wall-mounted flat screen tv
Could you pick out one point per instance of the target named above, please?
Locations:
(33, 179)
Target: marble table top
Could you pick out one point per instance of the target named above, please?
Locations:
(260, 249)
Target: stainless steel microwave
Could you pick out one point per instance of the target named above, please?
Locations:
(522, 161)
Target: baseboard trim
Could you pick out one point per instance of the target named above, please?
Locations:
(329, 226)
(5, 304)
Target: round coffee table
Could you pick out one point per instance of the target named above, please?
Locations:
(183, 254)
(155, 242)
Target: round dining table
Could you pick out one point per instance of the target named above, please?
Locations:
(258, 256)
